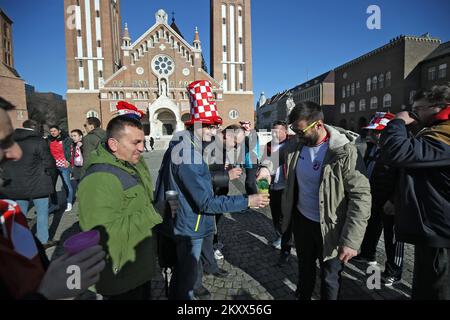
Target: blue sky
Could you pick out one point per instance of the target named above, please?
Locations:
(292, 39)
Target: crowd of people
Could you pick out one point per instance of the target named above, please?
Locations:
(327, 199)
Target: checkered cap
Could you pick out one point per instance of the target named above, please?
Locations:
(380, 121)
(203, 107)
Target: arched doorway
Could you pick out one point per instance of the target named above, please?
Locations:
(165, 122)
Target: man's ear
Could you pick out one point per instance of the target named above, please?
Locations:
(113, 144)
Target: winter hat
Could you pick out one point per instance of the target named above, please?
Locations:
(203, 107)
(380, 121)
(127, 109)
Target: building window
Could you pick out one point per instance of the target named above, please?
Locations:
(240, 40)
(241, 67)
(374, 103)
(224, 21)
(351, 106)
(121, 95)
(99, 43)
(432, 73)
(387, 100)
(343, 92)
(353, 89)
(388, 79)
(233, 114)
(224, 48)
(100, 73)
(97, 13)
(224, 76)
(79, 32)
(369, 85)
(411, 96)
(82, 84)
(374, 83)
(20, 115)
(348, 91)
(135, 95)
(358, 87)
(80, 63)
(381, 81)
(92, 114)
(240, 13)
(362, 105)
(442, 71)
(241, 86)
(343, 108)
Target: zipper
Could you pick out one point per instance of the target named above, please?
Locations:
(198, 222)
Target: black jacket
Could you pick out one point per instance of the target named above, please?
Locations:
(30, 177)
(423, 212)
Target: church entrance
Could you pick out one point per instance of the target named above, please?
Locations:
(166, 123)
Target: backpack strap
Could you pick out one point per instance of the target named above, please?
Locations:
(126, 179)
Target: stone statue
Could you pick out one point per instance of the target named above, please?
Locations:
(163, 88)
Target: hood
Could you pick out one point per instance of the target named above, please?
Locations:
(440, 132)
(22, 134)
(100, 133)
(340, 137)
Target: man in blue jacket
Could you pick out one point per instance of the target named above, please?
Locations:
(185, 171)
(423, 207)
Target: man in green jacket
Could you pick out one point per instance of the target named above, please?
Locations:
(95, 136)
(115, 197)
(327, 198)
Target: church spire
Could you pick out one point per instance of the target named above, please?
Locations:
(197, 42)
(126, 39)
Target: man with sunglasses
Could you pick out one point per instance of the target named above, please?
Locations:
(185, 171)
(327, 198)
(423, 203)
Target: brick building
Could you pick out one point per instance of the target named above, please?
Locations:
(434, 69)
(12, 87)
(384, 79)
(104, 65)
(319, 90)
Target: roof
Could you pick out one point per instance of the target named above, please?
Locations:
(441, 51)
(325, 77)
(175, 28)
(5, 16)
(394, 42)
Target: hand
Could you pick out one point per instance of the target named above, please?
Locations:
(404, 115)
(54, 284)
(174, 205)
(66, 164)
(263, 173)
(235, 173)
(259, 200)
(389, 208)
(346, 253)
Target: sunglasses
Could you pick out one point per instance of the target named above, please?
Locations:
(303, 131)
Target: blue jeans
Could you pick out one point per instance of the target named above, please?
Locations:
(187, 269)
(41, 206)
(65, 174)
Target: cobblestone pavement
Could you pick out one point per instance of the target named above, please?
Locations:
(251, 260)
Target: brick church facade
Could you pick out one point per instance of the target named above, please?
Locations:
(152, 72)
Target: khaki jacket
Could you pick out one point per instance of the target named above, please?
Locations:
(345, 199)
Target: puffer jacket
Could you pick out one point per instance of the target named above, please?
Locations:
(29, 177)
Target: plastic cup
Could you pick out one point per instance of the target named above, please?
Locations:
(171, 195)
(263, 186)
(81, 241)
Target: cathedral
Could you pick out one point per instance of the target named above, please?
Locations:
(104, 65)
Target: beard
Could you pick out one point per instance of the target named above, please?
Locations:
(309, 141)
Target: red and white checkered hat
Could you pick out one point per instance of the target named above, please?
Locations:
(380, 121)
(203, 107)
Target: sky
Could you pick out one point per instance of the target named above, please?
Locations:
(293, 40)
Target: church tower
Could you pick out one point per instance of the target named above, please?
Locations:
(93, 53)
(231, 56)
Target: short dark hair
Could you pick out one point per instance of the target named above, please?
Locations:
(80, 133)
(280, 123)
(6, 105)
(117, 125)
(93, 121)
(30, 124)
(439, 94)
(54, 126)
(308, 110)
(232, 127)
